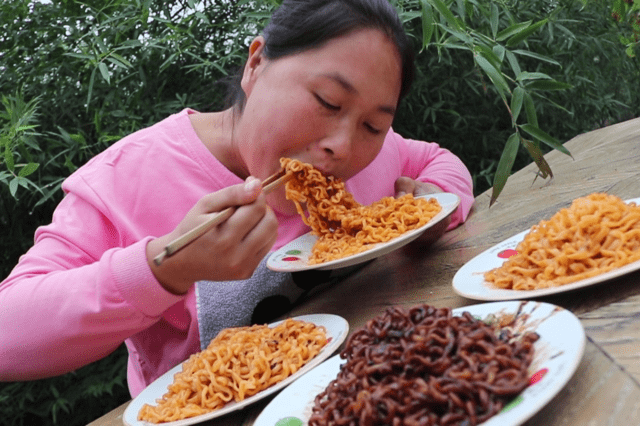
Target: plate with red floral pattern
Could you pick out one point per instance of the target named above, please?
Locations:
(469, 280)
(294, 256)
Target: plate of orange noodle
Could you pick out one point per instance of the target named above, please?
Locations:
(295, 256)
(333, 328)
(594, 239)
(557, 352)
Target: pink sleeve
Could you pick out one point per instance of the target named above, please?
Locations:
(75, 296)
(428, 162)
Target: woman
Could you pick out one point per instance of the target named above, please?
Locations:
(321, 85)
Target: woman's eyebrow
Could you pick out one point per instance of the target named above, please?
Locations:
(388, 109)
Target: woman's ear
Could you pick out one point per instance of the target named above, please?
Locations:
(254, 64)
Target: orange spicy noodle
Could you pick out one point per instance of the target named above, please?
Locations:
(345, 227)
(596, 234)
(238, 363)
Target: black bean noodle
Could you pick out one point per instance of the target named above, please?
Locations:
(425, 367)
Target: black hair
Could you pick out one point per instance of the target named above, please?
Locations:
(300, 25)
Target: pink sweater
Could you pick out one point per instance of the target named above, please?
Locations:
(85, 286)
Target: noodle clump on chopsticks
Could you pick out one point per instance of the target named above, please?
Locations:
(596, 234)
(343, 226)
(238, 363)
(425, 367)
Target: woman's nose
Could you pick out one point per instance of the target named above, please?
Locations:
(339, 144)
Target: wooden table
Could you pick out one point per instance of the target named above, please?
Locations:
(605, 390)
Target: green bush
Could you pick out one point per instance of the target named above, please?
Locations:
(499, 83)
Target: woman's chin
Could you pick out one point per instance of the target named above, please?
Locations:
(278, 202)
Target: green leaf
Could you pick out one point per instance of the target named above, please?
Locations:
(459, 35)
(505, 165)
(545, 138)
(629, 51)
(8, 159)
(90, 88)
(522, 35)
(79, 55)
(530, 109)
(536, 56)
(516, 103)
(446, 13)
(427, 23)
(104, 71)
(513, 62)
(28, 169)
(461, 9)
(510, 31)
(548, 85)
(116, 62)
(490, 55)
(495, 16)
(121, 59)
(532, 76)
(203, 17)
(499, 51)
(13, 187)
(496, 76)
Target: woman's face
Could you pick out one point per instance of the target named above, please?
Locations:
(331, 106)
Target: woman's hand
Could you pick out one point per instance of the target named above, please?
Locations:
(405, 185)
(229, 251)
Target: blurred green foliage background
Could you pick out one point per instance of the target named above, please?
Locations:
(499, 84)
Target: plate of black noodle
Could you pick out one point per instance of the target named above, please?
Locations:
(492, 364)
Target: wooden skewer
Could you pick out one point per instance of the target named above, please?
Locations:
(268, 185)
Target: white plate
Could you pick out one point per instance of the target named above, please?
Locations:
(294, 256)
(469, 280)
(557, 355)
(337, 330)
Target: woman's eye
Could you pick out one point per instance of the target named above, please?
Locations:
(326, 104)
(372, 129)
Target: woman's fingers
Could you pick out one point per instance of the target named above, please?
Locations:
(405, 185)
(235, 195)
(230, 250)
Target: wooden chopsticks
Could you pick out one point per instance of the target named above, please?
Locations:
(268, 185)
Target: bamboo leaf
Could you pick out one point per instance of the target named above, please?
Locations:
(104, 71)
(495, 75)
(499, 51)
(427, 23)
(122, 60)
(446, 14)
(522, 35)
(516, 103)
(548, 85)
(513, 62)
(530, 109)
(116, 62)
(505, 165)
(545, 138)
(79, 55)
(459, 35)
(90, 89)
(28, 169)
(8, 158)
(461, 9)
(536, 56)
(510, 31)
(532, 76)
(490, 55)
(13, 187)
(495, 16)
